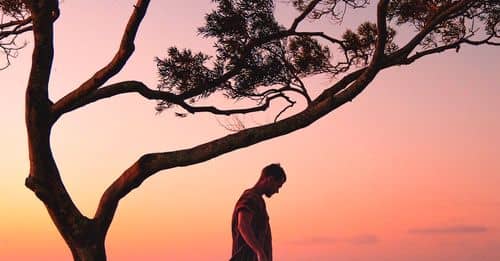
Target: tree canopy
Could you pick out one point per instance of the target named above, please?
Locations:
(249, 41)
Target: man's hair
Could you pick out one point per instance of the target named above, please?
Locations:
(274, 170)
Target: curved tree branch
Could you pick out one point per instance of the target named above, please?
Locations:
(15, 31)
(19, 26)
(303, 90)
(143, 90)
(304, 14)
(456, 46)
(322, 35)
(291, 103)
(16, 23)
(112, 68)
(480, 42)
(381, 30)
(194, 109)
(453, 9)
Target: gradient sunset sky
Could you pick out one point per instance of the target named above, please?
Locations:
(409, 170)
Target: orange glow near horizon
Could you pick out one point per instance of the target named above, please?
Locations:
(408, 171)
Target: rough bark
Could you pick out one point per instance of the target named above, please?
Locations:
(94, 251)
(44, 178)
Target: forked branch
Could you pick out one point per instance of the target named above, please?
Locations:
(114, 66)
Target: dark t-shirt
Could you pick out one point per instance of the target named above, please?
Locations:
(255, 204)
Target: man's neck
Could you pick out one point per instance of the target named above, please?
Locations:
(257, 189)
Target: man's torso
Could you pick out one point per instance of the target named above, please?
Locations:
(255, 204)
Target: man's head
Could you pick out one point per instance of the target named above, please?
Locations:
(271, 179)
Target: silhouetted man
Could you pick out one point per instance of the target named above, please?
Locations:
(250, 223)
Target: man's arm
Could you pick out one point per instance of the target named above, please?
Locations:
(245, 228)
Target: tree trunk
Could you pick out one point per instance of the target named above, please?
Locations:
(93, 251)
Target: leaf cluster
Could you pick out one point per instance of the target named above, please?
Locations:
(308, 56)
(13, 8)
(13, 22)
(251, 51)
(333, 9)
(360, 45)
(237, 22)
(479, 17)
(183, 71)
(239, 27)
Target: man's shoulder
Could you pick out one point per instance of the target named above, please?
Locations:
(250, 194)
(249, 197)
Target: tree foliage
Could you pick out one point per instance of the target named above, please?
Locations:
(266, 54)
(480, 18)
(14, 21)
(13, 8)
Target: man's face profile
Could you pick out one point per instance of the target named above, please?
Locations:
(273, 186)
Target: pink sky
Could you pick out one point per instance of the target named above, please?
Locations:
(408, 171)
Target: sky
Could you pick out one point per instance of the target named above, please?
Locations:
(407, 171)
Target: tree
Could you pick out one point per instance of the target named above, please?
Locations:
(257, 59)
